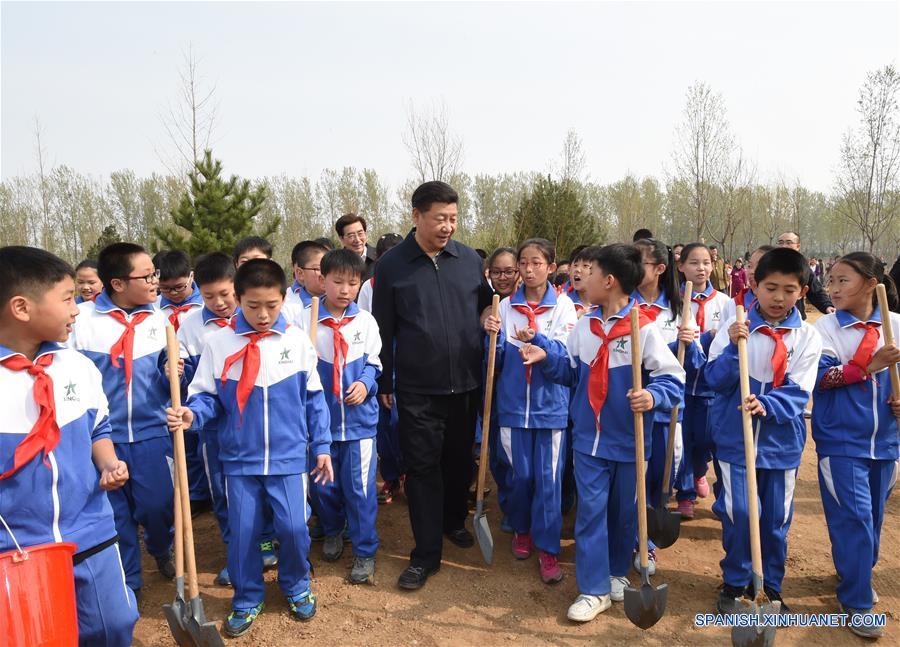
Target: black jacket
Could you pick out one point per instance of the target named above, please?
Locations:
(817, 296)
(428, 314)
(370, 263)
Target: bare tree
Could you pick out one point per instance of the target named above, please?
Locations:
(435, 150)
(44, 192)
(189, 119)
(572, 158)
(703, 149)
(868, 182)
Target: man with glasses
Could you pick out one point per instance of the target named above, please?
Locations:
(816, 294)
(123, 334)
(351, 229)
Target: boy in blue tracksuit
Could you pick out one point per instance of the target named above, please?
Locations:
(56, 456)
(854, 425)
(257, 385)
(783, 354)
(179, 298)
(599, 366)
(123, 334)
(348, 346)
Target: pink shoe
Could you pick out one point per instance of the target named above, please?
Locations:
(521, 545)
(686, 508)
(701, 487)
(551, 573)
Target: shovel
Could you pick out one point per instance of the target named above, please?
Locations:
(200, 631)
(888, 334)
(758, 635)
(177, 611)
(482, 529)
(664, 525)
(644, 606)
(314, 320)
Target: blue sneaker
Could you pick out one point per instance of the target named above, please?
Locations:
(505, 525)
(223, 579)
(239, 621)
(303, 606)
(270, 559)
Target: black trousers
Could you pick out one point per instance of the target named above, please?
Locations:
(436, 435)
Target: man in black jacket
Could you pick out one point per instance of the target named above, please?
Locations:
(351, 229)
(428, 296)
(816, 294)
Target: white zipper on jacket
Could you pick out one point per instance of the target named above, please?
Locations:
(54, 491)
(874, 417)
(265, 387)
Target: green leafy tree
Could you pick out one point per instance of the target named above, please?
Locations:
(108, 236)
(214, 214)
(553, 210)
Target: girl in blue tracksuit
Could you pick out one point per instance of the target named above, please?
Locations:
(533, 412)
(695, 265)
(598, 365)
(854, 424)
(659, 298)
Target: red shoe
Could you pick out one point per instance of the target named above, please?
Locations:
(686, 508)
(551, 573)
(521, 545)
(701, 487)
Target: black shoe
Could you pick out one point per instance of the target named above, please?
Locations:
(199, 506)
(166, 566)
(728, 599)
(775, 596)
(415, 576)
(138, 594)
(461, 537)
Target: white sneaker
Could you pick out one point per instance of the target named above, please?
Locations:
(587, 607)
(651, 562)
(618, 585)
(874, 596)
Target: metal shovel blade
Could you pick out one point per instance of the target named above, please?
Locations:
(483, 535)
(645, 606)
(176, 613)
(203, 632)
(756, 635)
(663, 526)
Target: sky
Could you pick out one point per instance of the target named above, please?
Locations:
(306, 86)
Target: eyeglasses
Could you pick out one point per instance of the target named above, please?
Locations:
(148, 278)
(317, 270)
(536, 265)
(508, 274)
(176, 289)
(355, 236)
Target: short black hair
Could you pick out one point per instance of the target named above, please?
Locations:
(386, 242)
(303, 251)
(560, 279)
(115, 262)
(259, 273)
(624, 262)
(642, 234)
(581, 255)
(764, 249)
(172, 264)
(325, 242)
(428, 193)
(349, 219)
(88, 263)
(576, 252)
(213, 267)
(30, 272)
(783, 260)
(247, 243)
(343, 261)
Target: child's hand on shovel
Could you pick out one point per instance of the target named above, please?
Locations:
(641, 400)
(532, 354)
(181, 417)
(114, 476)
(686, 335)
(491, 324)
(323, 472)
(754, 406)
(894, 403)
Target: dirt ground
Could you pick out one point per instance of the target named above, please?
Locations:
(467, 603)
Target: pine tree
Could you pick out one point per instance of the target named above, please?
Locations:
(107, 237)
(214, 214)
(553, 210)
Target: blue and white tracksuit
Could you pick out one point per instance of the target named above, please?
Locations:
(779, 437)
(197, 481)
(606, 522)
(353, 498)
(696, 437)
(856, 439)
(60, 500)
(264, 452)
(137, 416)
(532, 417)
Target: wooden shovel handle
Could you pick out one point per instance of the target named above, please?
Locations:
(181, 469)
(639, 436)
(673, 419)
(887, 330)
(749, 452)
(314, 320)
(488, 400)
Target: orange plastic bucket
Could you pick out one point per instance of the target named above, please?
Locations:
(37, 597)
